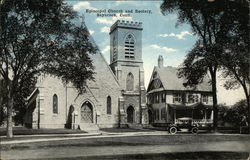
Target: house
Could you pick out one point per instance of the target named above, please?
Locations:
(117, 97)
(168, 99)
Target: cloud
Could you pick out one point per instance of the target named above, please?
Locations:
(105, 50)
(179, 36)
(165, 49)
(104, 21)
(131, 3)
(112, 20)
(81, 5)
(91, 31)
(105, 29)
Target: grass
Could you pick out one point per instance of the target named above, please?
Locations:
(171, 156)
(130, 141)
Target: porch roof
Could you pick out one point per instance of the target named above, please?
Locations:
(186, 107)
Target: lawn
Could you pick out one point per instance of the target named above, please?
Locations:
(177, 139)
(173, 156)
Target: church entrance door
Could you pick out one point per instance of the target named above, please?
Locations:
(87, 113)
(130, 114)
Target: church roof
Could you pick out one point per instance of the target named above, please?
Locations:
(170, 81)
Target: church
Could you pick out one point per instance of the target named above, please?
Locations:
(117, 97)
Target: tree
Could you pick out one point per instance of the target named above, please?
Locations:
(2, 100)
(235, 58)
(209, 21)
(200, 61)
(216, 23)
(41, 36)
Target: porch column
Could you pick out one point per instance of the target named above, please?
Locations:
(174, 115)
(212, 116)
(205, 116)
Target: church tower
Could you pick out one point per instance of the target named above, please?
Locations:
(126, 63)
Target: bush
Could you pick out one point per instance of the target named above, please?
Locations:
(237, 114)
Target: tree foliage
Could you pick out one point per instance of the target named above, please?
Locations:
(236, 58)
(218, 25)
(42, 36)
(237, 113)
(207, 22)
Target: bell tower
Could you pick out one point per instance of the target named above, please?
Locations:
(126, 63)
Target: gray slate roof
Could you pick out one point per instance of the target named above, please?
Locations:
(170, 80)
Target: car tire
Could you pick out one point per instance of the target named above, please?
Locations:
(194, 130)
(172, 130)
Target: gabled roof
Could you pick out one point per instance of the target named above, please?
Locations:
(170, 81)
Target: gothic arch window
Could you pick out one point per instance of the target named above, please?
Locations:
(129, 47)
(55, 104)
(109, 105)
(114, 49)
(130, 82)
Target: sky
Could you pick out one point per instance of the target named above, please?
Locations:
(160, 36)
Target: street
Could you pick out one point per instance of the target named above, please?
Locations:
(133, 146)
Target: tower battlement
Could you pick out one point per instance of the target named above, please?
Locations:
(126, 24)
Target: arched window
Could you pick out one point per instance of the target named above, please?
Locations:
(129, 47)
(55, 103)
(114, 49)
(130, 82)
(108, 105)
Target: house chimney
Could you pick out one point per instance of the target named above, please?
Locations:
(160, 61)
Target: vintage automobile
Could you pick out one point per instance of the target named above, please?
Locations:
(184, 123)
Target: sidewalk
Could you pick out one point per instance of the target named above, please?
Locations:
(56, 137)
(102, 134)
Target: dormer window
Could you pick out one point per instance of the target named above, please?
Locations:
(129, 47)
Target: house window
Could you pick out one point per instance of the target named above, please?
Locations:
(55, 103)
(108, 105)
(160, 97)
(157, 98)
(192, 98)
(130, 82)
(150, 99)
(163, 114)
(163, 98)
(205, 99)
(157, 114)
(177, 98)
(129, 47)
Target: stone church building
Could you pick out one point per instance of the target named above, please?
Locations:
(117, 97)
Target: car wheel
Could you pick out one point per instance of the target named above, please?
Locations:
(194, 130)
(173, 130)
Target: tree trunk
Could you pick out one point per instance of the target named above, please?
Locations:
(9, 115)
(215, 109)
(248, 105)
